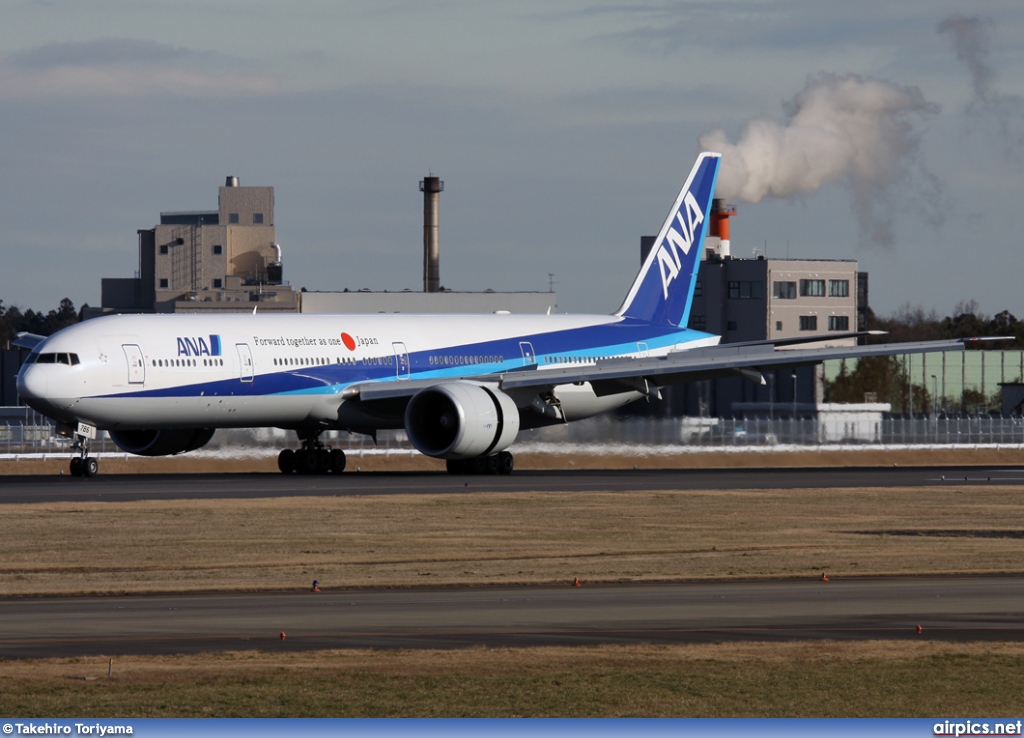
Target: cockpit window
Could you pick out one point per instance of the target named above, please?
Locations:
(48, 358)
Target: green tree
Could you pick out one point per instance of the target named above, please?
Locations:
(883, 378)
(13, 321)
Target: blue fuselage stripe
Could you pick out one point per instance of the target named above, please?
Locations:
(482, 358)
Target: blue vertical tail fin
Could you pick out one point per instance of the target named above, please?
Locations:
(663, 290)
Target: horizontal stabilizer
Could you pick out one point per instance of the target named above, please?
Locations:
(27, 340)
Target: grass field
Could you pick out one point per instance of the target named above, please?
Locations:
(817, 679)
(538, 537)
(467, 539)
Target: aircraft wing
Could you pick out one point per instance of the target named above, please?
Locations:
(645, 375)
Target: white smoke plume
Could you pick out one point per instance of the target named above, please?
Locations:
(848, 129)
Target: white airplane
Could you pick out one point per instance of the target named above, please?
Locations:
(462, 386)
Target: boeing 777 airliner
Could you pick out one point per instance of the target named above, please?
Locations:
(462, 386)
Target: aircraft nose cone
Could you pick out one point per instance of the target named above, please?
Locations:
(32, 385)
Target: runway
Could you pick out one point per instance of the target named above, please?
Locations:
(131, 487)
(953, 608)
(957, 608)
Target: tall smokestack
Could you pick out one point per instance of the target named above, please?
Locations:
(431, 187)
(720, 214)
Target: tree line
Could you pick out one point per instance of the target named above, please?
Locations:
(13, 321)
(913, 323)
(885, 378)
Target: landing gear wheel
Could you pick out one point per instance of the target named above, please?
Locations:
(286, 461)
(76, 466)
(313, 458)
(500, 463)
(323, 461)
(306, 461)
(90, 466)
(337, 461)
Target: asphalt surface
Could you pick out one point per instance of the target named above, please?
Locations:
(953, 608)
(123, 488)
(948, 608)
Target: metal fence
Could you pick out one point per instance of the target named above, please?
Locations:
(33, 435)
(765, 431)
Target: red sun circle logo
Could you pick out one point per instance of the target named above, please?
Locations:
(350, 343)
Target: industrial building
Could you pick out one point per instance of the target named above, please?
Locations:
(208, 260)
(229, 260)
(760, 299)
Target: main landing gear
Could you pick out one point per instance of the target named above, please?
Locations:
(500, 463)
(312, 458)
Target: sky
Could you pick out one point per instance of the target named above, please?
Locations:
(890, 133)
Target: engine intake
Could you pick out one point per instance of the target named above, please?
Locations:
(461, 420)
(161, 442)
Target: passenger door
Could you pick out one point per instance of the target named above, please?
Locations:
(401, 360)
(136, 363)
(245, 368)
(529, 359)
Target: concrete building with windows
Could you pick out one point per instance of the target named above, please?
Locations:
(762, 299)
(208, 260)
(228, 260)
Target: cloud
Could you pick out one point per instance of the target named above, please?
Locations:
(851, 130)
(104, 52)
(121, 67)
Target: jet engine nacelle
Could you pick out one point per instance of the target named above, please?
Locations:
(161, 442)
(461, 420)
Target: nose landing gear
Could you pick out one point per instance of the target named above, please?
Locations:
(86, 466)
(83, 465)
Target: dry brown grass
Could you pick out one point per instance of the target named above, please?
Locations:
(404, 540)
(538, 537)
(730, 679)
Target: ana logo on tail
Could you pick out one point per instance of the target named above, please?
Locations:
(669, 258)
(663, 289)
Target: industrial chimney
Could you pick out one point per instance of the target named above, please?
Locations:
(720, 214)
(431, 187)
